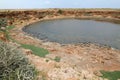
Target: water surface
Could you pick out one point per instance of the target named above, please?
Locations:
(69, 31)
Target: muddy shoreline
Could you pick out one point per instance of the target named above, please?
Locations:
(116, 21)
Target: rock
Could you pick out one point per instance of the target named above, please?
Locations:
(3, 28)
(86, 74)
(28, 52)
(3, 37)
(97, 73)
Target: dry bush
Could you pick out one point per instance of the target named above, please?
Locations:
(13, 64)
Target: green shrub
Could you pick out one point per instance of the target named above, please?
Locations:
(13, 64)
(3, 22)
(60, 11)
(57, 59)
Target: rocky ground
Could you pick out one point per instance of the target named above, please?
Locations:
(77, 61)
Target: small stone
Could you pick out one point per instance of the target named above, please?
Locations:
(28, 52)
(3, 28)
(97, 73)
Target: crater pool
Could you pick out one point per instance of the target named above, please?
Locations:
(72, 31)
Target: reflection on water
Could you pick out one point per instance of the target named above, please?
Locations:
(75, 31)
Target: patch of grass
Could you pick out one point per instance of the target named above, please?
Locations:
(10, 27)
(57, 59)
(115, 75)
(36, 50)
(7, 35)
(6, 32)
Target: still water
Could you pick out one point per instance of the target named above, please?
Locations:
(67, 31)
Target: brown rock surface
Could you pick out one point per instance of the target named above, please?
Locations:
(3, 37)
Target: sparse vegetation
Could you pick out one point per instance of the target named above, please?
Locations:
(10, 27)
(3, 31)
(36, 50)
(115, 75)
(4, 28)
(3, 24)
(6, 32)
(13, 64)
(60, 11)
(47, 60)
(43, 75)
(57, 59)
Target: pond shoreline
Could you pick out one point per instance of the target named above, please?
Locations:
(44, 40)
(110, 20)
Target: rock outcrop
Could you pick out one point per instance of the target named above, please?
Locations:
(26, 15)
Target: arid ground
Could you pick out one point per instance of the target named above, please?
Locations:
(69, 61)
